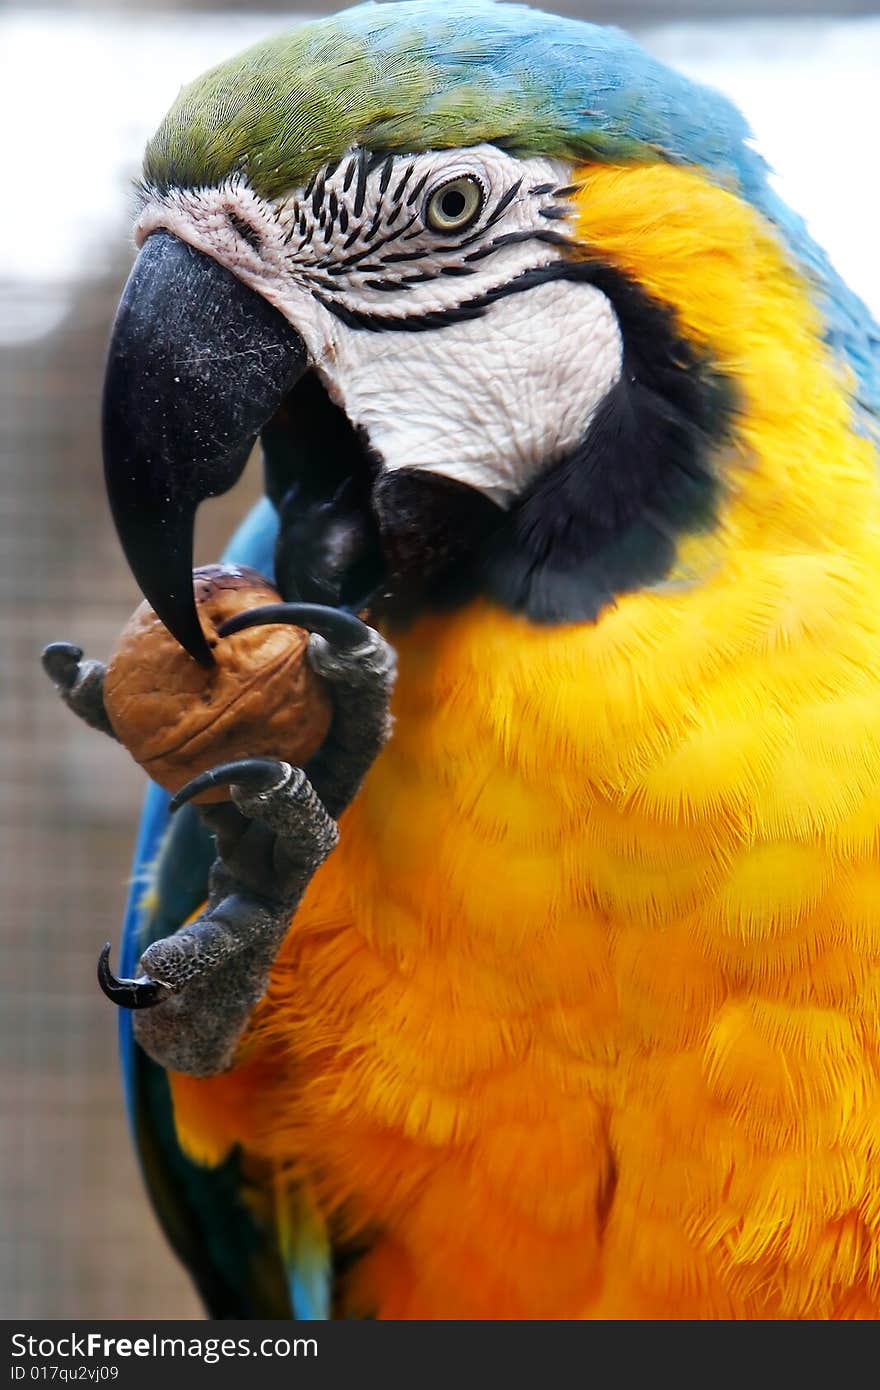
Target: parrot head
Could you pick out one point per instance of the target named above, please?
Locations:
(498, 292)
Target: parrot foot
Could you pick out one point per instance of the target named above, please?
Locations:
(360, 668)
(80, 683)
(195, 991)
(199, 987)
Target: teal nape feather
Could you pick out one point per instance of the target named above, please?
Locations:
(422, 74)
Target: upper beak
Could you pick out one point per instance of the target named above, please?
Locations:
(197, 364)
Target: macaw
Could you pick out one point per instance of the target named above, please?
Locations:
(551, 987)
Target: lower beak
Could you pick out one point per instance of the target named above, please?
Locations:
(197, 364)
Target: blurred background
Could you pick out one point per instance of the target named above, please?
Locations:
(81, 87)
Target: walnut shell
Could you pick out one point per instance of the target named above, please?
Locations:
(261, 699)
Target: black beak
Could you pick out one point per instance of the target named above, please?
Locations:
(198, 363)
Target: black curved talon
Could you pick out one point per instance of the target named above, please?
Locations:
(257, 774)
(128, 994)
(61, 662)
(342, 630)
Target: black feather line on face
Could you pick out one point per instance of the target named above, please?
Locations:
(373, 229)
(387, 171)
(398, 191)
(513, 239)
(318, 195)
(414, 192)
(456, 313)
(504, 203)
(245, 230)
(307, 191)
(397, 256)
(360, 192)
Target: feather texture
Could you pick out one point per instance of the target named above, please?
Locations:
(580, 1020)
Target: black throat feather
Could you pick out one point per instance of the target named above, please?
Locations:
(606, 519)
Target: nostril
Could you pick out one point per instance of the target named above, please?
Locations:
(245, 230)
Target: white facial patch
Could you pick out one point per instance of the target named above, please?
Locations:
(372, 249)
(488, 401)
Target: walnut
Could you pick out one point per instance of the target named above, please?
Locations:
(261, 699)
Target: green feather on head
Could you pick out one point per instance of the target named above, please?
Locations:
(407, 77)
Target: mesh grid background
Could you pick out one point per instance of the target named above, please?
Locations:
(77, 1237)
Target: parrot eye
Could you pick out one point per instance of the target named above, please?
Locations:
(454, 205)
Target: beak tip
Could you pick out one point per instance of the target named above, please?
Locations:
(180, 615)
(172, 439)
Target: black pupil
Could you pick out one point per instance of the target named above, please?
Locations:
(453, 203)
